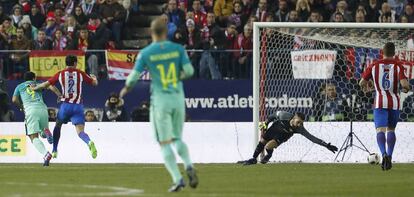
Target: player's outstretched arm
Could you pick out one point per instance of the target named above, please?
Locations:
(129, 83)
(94, 80)
(55, 90)
(316, 140)
(41, 86)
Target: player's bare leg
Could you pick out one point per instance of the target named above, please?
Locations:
(41, 148)
(269, 147)
(85, 137)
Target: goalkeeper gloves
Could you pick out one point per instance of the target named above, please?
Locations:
(262, 126)
(331, 147)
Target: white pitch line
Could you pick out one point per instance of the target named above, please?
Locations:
(116, 191)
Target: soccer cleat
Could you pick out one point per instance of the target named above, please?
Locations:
(48, 135)
(177, 187)
(192, 176)
(93, 150)
(54, 154)
(265, 159)
(389, 163)
(251, 161)
(47, 159)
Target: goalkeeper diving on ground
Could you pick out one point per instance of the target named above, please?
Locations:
(279, 128)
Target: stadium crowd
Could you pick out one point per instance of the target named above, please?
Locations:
(221, 30)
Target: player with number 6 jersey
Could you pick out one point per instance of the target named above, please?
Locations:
(386, 75)
(71, 80)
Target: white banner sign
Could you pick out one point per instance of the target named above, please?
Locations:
(313, 64)
(212, 142)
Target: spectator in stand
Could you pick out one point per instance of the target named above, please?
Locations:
(189, 15)
(386, 18)
(200, 17)
(293, 16)
(303, 10)
(172, 28)
(113, 15)
(261, 11)
(373, 11)
(3, 46)
(238, 16)
(60, 42)
(59, 14)
(29, 31)
(114, 109)
(45, 6)
(36, 17)
(52, 114)
(222, 10)
(315, 17)
(252, 19)
(397, 6)
(208, 66)
(51, 26)
(80, 17)
(282, 14)
(175, 15)
(247, 7)
(141, 113)
(243, 57)
(42, 42)
(193, 41)
(68, 6)
(408, 12)
(403, 19)
(9, 29)
(182, 5)
(19, 60)
(83, 42)
(17, 15)
(99, 33)
(70, 27)
(90, 116)
(224, 40)
(338, 17)
(360, 17)
(342, 7)
(88, 7)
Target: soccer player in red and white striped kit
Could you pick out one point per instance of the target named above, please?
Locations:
(384, 76)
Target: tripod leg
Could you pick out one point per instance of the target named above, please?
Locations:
(365, 148)
(343, 148)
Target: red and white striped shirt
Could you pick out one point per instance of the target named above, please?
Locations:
(71, 80)
(386, 74)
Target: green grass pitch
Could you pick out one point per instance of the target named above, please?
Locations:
(281, 179)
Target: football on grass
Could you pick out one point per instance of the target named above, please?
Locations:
(374, 159)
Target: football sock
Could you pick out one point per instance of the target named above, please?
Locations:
(391, 138)
(56, 137)
(39, 146)
(182, 150)
(381, 142)
(259, 149)
(269, 151)
(170, 162)
(84, 137)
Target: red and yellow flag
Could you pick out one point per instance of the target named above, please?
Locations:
(47, 63)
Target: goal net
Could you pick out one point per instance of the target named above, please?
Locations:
(314, 68)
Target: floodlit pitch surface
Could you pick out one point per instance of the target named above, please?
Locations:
(21, 180)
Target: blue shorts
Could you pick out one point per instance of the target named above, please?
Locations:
(72, 112)
(386, 118)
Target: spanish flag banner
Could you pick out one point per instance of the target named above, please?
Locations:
(45, 64)
(121, 63)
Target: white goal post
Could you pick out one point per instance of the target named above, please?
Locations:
(343, 38)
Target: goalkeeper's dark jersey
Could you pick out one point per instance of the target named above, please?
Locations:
(280, 130)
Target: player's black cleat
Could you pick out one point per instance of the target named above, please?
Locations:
(47, 159)
(386, 162)
(389, 163)
(251, 161)
(177, 187)
(192, 176)
(265, 159)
